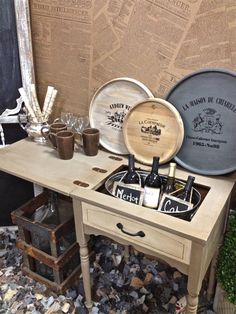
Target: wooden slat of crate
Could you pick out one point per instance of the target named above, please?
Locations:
(27, 226)
(51, 261)
(29, 207)
(53, 234)
(30, 226)
(62, 229)
(59, 288)
(58, 232)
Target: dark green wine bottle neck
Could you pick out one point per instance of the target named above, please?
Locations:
(131, 163)
(189, 184)
(155, 165)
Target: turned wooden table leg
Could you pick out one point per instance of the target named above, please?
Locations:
(192, 304)
(84, 259)
(212, 278)
(84, 252)
(195, 277)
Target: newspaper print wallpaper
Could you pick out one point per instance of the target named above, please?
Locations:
(81, 44)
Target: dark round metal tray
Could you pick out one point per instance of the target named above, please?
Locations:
(206, 101)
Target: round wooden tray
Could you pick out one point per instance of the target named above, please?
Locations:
(206, 101)
(109, 106)
(153, 128)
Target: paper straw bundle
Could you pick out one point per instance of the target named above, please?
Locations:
(34, 109)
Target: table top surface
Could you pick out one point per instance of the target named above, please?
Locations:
(41, 165)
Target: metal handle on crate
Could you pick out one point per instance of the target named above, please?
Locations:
(137, 234)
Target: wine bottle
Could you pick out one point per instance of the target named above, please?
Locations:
(185, 194)
(152, 186)
(131, 177)
(170, 183)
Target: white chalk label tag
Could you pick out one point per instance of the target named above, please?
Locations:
(128, 193)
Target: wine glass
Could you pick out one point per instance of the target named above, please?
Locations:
(69, 119)
(82, 122)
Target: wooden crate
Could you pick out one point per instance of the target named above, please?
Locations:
(50, 250)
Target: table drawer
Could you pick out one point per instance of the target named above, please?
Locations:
(153, 239)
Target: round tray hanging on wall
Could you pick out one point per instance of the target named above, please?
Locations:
(206, 101)
(109, 106)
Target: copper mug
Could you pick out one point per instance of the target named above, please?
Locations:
(89, 140)
(53, 129)
(65, 141)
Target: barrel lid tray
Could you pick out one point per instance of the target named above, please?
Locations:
(109, 106)
(206, 101)
(153, 127)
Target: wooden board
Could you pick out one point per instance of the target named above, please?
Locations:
(16, 55)
(153, 128)
(109, 106)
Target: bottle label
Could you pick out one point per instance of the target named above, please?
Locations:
(151, 197)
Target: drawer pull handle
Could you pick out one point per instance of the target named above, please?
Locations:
(137, 234)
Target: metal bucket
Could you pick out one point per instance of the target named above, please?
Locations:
(187, 215)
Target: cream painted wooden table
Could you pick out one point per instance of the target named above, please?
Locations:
(40, 164)
(188, 246)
